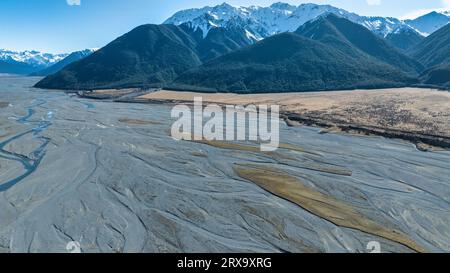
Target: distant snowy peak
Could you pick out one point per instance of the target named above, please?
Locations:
(77, 55)
(213, 17)
(31, 57)
(262, 22)
(71, 58)
(430, 22)
(381, 25)
(86, 52)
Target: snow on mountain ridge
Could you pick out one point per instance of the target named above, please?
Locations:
(262, 22)
(430, 22)
(31, 57)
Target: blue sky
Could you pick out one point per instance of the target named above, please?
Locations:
(55, 26)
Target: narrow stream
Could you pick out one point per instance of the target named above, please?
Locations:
(31, 162)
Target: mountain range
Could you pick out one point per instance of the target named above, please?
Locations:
(72, 57)
(262, 22)
(330, 53)
(26, 62)
(36, 63)
(253, 49)
(149, 55)
(430, 22)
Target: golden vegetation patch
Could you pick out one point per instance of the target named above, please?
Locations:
(327, 207)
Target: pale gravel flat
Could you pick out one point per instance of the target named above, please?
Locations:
(120, 187)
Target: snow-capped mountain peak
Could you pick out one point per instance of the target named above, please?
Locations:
(262, 22)
(283, 6)
(32, 62)
(31, 57)
(430, 22)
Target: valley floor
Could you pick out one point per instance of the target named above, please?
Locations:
(418, 115)
(109, 176)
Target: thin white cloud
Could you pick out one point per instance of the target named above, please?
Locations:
(73, 2)
(446, 4)
(373, 2)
